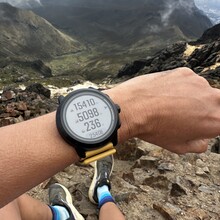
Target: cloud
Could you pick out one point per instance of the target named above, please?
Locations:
(172, 5)
(166, 13)
(23, 3)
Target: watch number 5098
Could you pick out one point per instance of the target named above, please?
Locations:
(91, 125)
(85, 115)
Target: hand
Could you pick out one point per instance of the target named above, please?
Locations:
(177, 110)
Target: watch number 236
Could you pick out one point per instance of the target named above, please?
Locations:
(93, 124)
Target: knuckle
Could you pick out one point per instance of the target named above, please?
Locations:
(203, 80)
(185, 71)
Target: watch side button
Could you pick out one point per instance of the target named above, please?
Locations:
(119, 123)
(60, 99)
(118, 108)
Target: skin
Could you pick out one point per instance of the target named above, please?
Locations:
(179, 110)
(176, 110)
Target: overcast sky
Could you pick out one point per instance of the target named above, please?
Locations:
(209, 3)
(211, 7)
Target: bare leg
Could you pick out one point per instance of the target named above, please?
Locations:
(32, 209)
(25, 208)
(10, 211)
(109, 211)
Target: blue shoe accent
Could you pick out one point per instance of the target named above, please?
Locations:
(102, 172)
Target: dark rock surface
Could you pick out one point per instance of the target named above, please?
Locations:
(42, 68)
(204, 60)
(169, 58)
(202, 56)
(210, 35)
(39, 89)
(17, 105)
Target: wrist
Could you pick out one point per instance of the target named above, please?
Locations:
(129, 122)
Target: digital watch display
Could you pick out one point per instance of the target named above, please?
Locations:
(88, 119)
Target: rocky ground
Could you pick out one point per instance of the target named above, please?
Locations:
(147, 181)
(150, 183)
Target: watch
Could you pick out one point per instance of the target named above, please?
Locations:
(89, 120)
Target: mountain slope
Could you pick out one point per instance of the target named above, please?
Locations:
(124, 25)
(203, 56)
(25, 34)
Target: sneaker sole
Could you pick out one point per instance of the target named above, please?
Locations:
(92, 186)
(69, 200)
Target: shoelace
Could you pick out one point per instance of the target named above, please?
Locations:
(105, 168)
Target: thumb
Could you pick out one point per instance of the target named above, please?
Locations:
(197, 146)
(194, 146)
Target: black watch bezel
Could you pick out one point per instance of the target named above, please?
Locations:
(81, 146)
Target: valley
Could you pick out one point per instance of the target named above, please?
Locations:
(89, 40)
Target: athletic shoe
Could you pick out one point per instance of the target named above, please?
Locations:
(59, 195)
(103, 169)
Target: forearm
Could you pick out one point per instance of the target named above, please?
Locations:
(31, 152)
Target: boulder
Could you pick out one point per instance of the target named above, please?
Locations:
(39, 89)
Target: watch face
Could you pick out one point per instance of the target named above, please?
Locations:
(89, 117)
